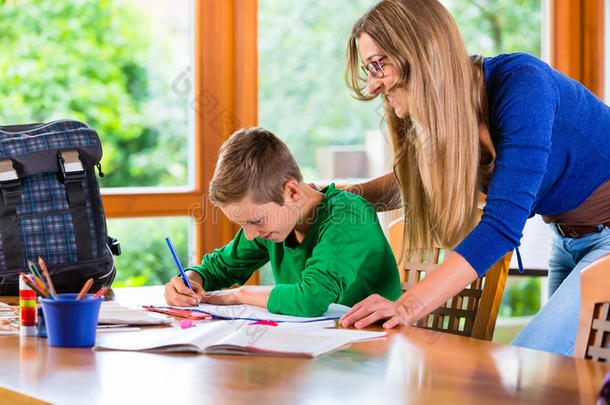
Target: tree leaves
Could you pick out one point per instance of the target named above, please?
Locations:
(89, 60)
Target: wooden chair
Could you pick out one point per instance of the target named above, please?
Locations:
(473, 311)
(593, 337)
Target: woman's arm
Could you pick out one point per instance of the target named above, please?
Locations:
(382, 192)
(449, 278)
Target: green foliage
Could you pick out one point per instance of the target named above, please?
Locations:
(522, 298)
(147, 259)
(490, 27)
(301, 47)
(302, 94)
(89, 60)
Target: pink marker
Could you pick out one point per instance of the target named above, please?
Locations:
(268, 323)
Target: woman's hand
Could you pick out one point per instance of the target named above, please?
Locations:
(372, 309)
(178, 294)
(449, 278)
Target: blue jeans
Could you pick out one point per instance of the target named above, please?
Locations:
(554, 328)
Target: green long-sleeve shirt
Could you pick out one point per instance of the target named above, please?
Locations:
(344, 258)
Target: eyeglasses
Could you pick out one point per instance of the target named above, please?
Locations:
(375, 67)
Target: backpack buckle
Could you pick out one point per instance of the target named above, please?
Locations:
(70, 166)
(9, 179)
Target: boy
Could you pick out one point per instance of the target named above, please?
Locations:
(324, 247)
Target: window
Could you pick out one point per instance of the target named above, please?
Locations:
(148, 260)
(166, 83)
(114, 65)
(490, 27)
(133, 70)
(117, 66)
(303, 98)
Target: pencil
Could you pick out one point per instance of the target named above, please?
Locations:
(37, 278)
(34, 270)
(48, 277)
(40, 284)
(28, 281)
(101, 292)
(85, 288)
(184, 277)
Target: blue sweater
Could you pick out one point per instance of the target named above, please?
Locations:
(552, 142)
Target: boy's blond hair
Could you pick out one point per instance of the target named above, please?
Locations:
(253, 162)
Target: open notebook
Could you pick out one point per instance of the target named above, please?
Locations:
(235, 337)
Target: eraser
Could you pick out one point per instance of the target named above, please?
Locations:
(186, 323)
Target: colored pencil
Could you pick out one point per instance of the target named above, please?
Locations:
(37, 278)
(34, 270)
(85, 288)
(33, 286)
(40, 284)
(48, 277)
(184, 277)
(101, 292)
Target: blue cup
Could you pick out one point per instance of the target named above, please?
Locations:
(71, 323)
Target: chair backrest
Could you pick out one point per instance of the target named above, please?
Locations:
(473, 311)
(593, 337)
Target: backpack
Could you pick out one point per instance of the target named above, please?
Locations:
(51, 207)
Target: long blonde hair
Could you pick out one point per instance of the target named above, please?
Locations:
(436, 146)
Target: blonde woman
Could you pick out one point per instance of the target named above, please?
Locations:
(532, 139)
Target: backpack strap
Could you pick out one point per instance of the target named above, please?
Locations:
(10, 188)
(72, 174)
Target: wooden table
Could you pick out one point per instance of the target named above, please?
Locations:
(412, 366)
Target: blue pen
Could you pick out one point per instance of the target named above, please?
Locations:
(171, 248)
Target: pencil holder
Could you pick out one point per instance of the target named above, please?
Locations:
(71, 322)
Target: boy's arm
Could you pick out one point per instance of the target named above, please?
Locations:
(232, 264)
(250, 294)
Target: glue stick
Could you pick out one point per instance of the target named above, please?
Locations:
(27, 304)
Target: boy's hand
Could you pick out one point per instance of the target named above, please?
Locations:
(178, 294)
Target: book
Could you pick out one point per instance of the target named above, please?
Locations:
(235, 337)
(254, 313)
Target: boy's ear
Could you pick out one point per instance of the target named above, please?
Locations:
(292, 191)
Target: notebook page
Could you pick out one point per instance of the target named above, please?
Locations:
(255, 313)
(273, 340)
(352, 334)
(167, 339)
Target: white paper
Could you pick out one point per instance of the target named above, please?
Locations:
(352, 335)
(118, 329)
(111, 312)
(255, 313)
(307, 326)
